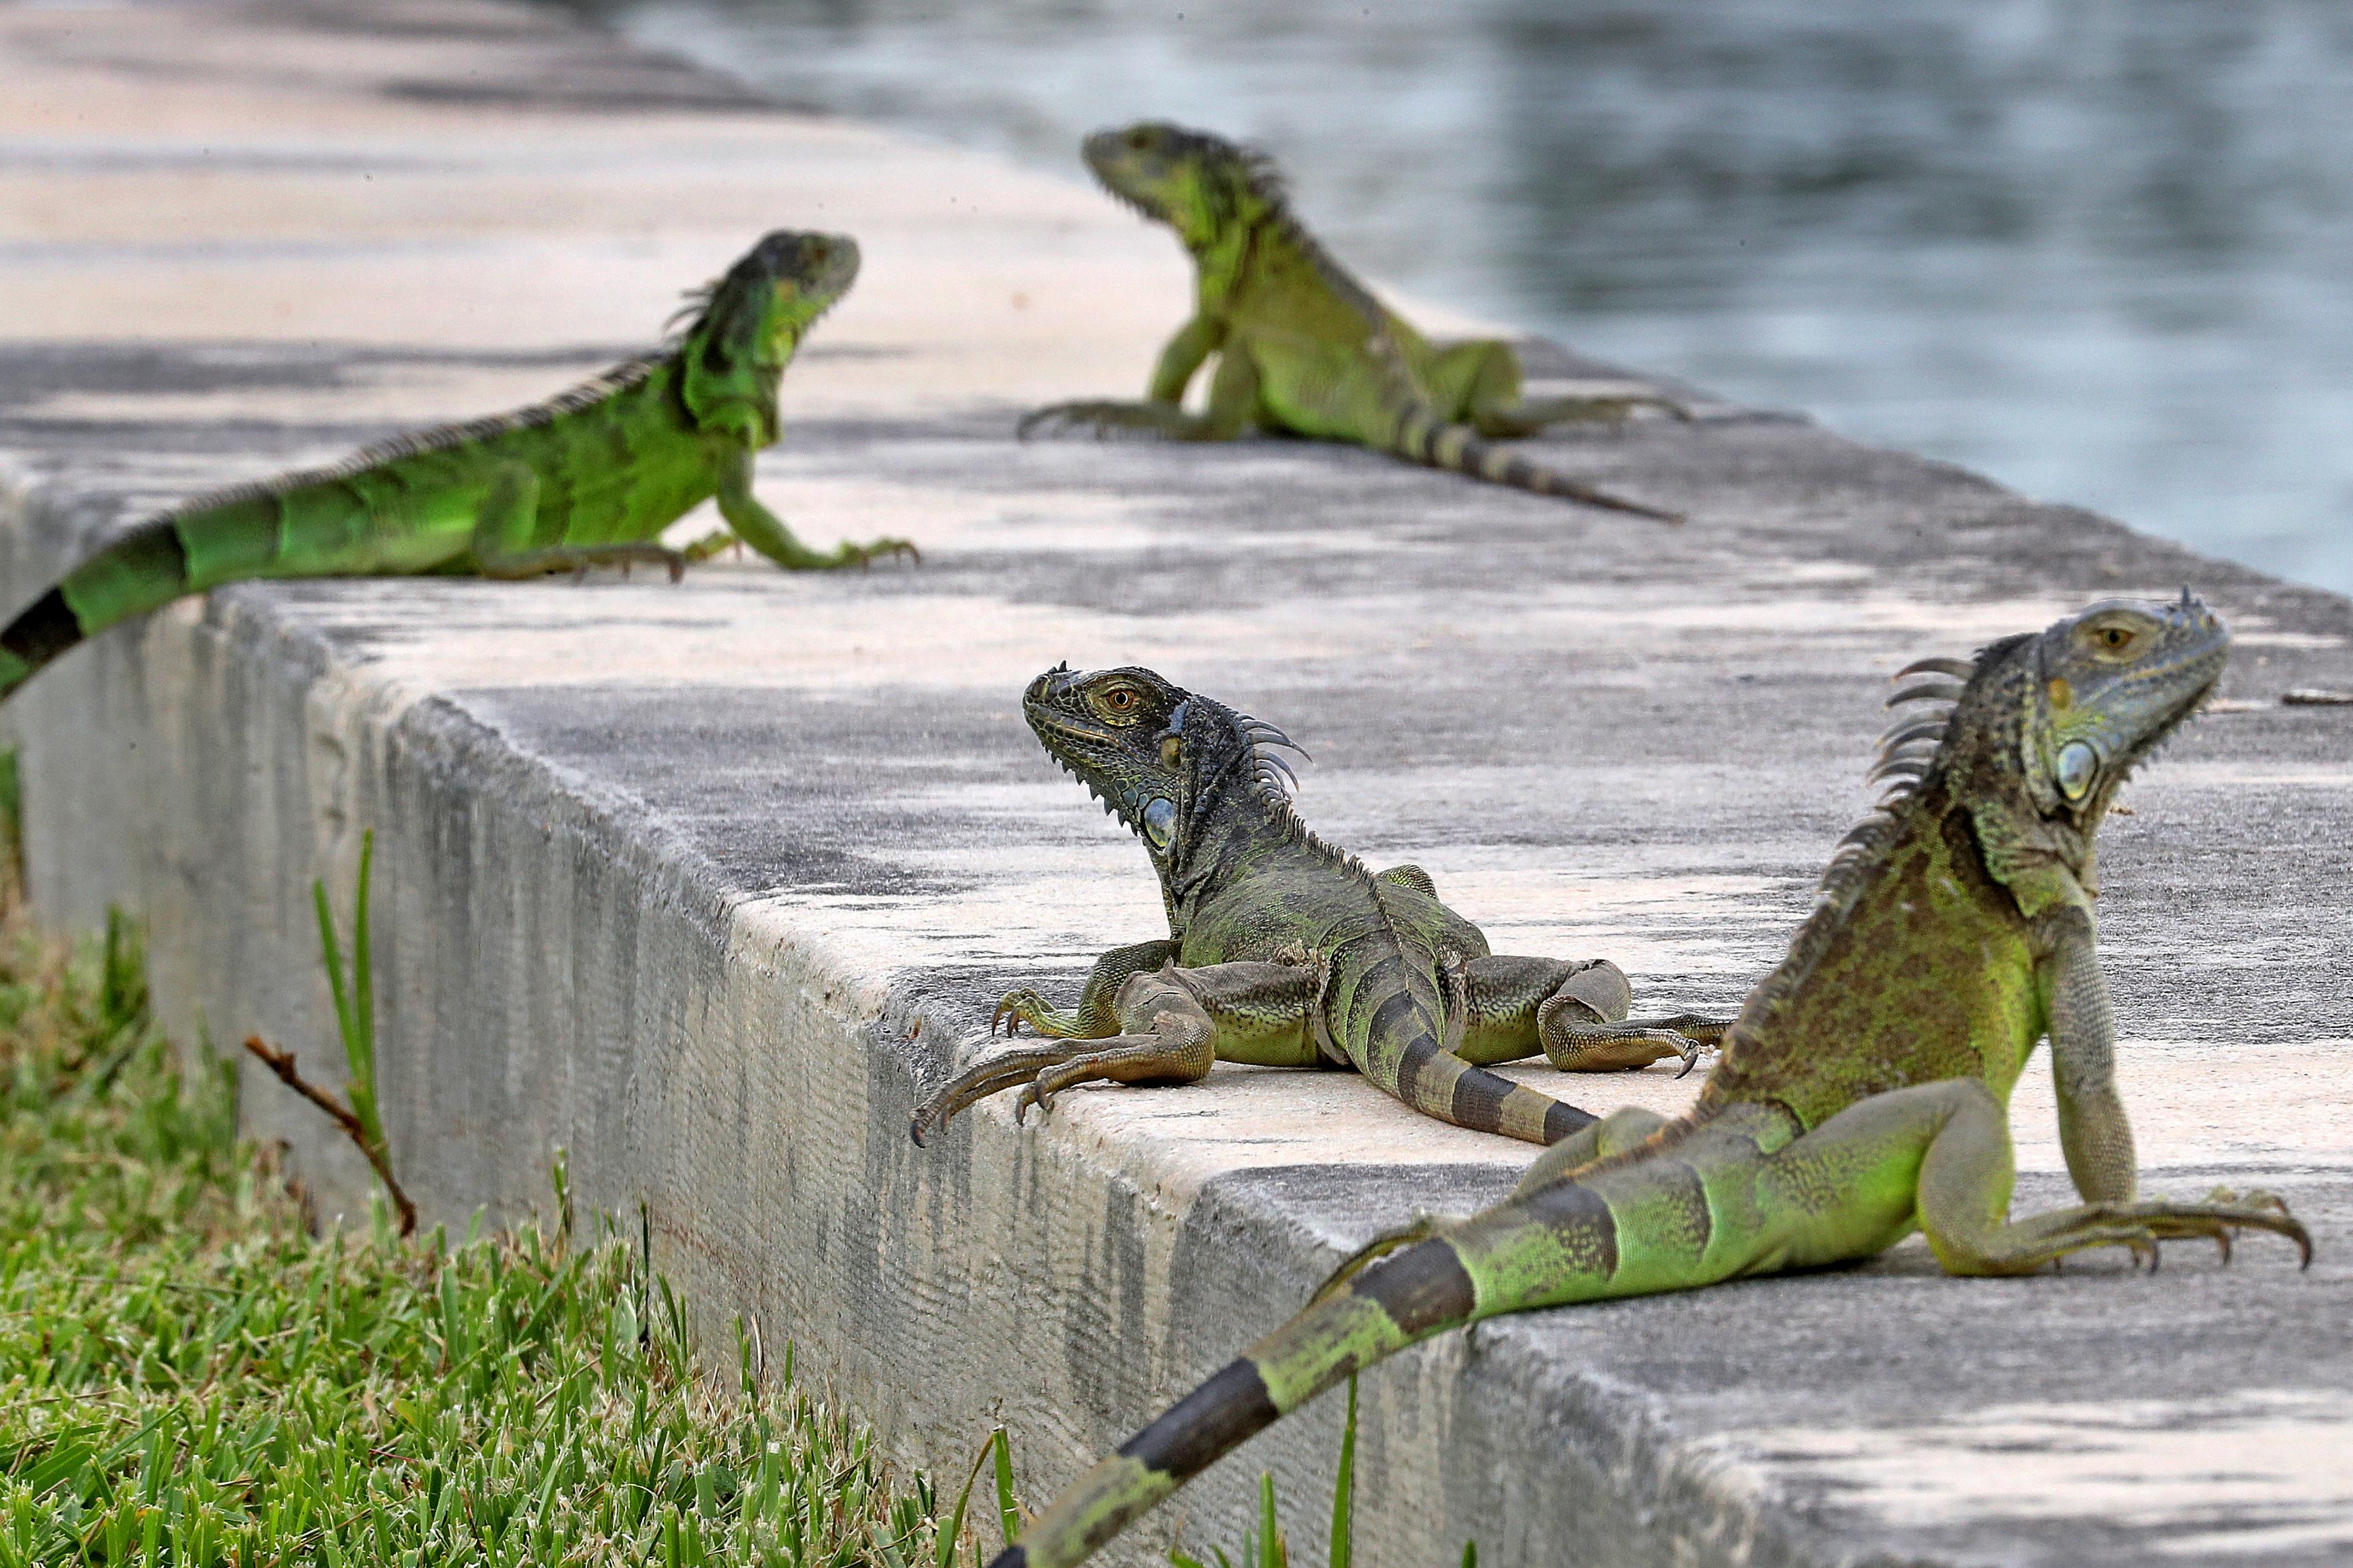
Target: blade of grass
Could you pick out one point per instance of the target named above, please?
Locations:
(1343, 1487)
(1270, 1553)
(945, 1556)
(1008, 1512)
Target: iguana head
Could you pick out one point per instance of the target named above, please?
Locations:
(764, 303)
(746, 325)
(2045, 727)
(1195, 183)
(1160, 759)
(2112, 683)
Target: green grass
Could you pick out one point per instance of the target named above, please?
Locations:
(189, 1376)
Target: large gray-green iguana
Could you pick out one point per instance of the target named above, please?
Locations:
(1862, 1093)
(1302, 347)
(587, 479)
(1283, 951)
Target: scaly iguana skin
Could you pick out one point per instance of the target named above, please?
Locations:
(1284, 951)
(587, 479)
(1862, 1093)
(1302, 347)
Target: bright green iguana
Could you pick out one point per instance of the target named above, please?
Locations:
(1283, 951)
(587, 479)
(1862, 1093)
(1302, 347)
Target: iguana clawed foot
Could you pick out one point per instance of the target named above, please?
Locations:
(1107, 417)
(791, 554)
(1016, 1008)
(1578, 1037)
(2142, 1227)
(873, 550)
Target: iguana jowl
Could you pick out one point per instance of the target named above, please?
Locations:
(587, 479)
(1302, 347)
(1862, 1094)
(1283, 951)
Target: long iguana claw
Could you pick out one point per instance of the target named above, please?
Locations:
(1690, 1054)
(886, 548)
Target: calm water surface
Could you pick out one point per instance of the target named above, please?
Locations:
(2102, 250)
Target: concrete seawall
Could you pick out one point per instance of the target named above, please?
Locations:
(704, 883)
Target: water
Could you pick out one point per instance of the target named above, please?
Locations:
(2100, 249)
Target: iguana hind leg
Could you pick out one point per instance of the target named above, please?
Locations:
(1575, 1015)
(1479, 380)
(1939, 1155)
(579, 558)
(502, 548)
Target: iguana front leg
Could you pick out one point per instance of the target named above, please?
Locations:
(2094, 1130)
(1194, 341)
(1482, 377)
(1233, 409)
(1173, 1025)
(1575, 1015)
(501, 546)
(764, 531)
(1939, 1155)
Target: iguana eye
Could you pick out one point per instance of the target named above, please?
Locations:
(2115, 637)
(1121, 703)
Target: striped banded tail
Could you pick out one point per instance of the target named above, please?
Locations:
(1457, 449)
(1401, 1047)
(144, 570)
(1443, 1085)
(1423, 1290)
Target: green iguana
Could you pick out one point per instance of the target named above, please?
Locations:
(1302, 347)
(1284, 951)
(587, 479)
(1862, 1093)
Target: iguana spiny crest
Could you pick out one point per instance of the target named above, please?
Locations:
(746, 325)
(1197, 184)
(2052, 722)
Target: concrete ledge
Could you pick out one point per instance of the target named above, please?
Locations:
(703, 883)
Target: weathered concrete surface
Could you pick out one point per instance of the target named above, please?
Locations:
(703, 882)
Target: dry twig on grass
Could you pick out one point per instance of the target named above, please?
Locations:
(282, 1064)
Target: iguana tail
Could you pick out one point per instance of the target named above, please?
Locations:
(288, 528)
(1456, 449)
(1428, 1287)
(1393, 1014)
(142, 571)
